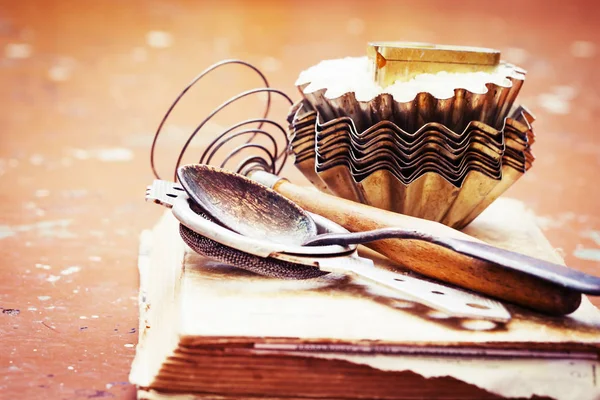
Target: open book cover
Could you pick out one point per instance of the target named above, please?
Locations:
(212, 331)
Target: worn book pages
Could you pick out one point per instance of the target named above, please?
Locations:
(214, 330)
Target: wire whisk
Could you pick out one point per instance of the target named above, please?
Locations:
(270, 158)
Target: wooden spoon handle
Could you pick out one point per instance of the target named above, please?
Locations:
(548, 271)
(431, 260)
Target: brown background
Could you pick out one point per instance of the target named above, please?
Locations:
(83, 82)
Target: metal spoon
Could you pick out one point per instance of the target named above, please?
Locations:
(252, 209)
(246, 207)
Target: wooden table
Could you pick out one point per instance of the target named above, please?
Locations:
(85, 84)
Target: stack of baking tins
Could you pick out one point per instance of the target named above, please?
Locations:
(427, 131)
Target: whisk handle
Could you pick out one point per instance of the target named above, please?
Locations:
(433, 260)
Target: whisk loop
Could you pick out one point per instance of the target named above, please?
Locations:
(269, 158)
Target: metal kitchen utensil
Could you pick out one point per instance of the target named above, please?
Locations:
(517, 133)
(456, 110)
(446, 160)
(344, 130)
(305, 113)
(167, 194)
(267, 159)
(266, 257)
(391, 140)
(338, 141)
(477, 275)
(244, 209)
(227, 186)
(361, 166)
(556, 273)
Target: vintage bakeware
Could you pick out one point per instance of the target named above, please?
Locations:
(339, 88)
(421, 129)
(393, 61)
(433, 173)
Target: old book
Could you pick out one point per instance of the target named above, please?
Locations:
(212, 331)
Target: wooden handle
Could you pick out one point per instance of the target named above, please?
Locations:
(435, 261)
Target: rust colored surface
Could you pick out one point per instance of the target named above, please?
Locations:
(84, 84)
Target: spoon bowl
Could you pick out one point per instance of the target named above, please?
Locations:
(246, 206)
